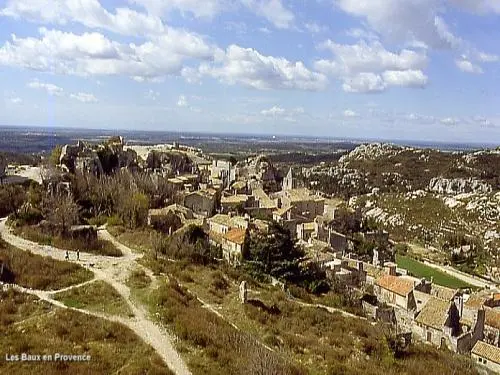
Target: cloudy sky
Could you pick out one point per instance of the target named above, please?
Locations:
(394, 69)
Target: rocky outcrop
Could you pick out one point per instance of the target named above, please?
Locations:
(373, 151)
(458, 186)
(97, 158)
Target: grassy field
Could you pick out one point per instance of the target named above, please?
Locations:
(98, 246)
(418, 269)
(32, 326)
(97, 296)
(34, 271)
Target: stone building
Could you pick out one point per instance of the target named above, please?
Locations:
(303, 203)
(289, 181)
(438, 322)
(396, 291)
(487, 356)
(202, 202)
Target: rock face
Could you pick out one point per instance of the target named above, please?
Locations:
(458, 186)
(97, 159)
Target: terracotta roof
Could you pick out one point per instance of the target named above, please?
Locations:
(484, 350)
(476, 301)
(236, 236)
(492, 318)
(395, 284)
(434, 313)
(443, 293)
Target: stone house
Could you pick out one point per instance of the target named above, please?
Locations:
(487, 356)
(305, 231)
(395, 290)
(324, 233)
(232, 243)
(234, 203)
(303, 203)
(437, 322)
(202, 202)
(222, 224)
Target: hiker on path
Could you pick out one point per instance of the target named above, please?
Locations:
(67, 255)
(77, 254)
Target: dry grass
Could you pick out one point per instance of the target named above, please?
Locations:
(324, 343)
(137, 239)
(37, 272)
(213, 346)
(99, 247)
(98, 296)
(36, 328)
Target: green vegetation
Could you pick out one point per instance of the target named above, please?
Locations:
(36, 234)
(37, 272)
(11, 198)
(138, 279)
(29, 327)
(98, 296)
(420, 270)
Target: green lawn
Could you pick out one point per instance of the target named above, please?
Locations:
(418, 269)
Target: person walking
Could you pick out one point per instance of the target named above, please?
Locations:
(67, 255)
(77, 254)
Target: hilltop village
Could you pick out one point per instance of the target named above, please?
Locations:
(233, 201)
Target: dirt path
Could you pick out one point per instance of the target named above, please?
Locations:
(114, 271)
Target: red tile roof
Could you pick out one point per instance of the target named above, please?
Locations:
(236, 236)
(395, 284)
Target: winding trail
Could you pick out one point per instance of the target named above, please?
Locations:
(114, 271)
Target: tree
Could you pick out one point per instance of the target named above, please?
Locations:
(60, 210)
(133, 208)
(55, 155)
(275, 253)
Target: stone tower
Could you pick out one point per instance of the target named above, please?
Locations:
(288, 181)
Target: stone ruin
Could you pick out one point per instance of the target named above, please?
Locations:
(97, 159)
(243, 292)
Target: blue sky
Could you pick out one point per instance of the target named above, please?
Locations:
(393, 69)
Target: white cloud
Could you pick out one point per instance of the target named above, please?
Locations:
(350, 113)
(449, 121)
(272, 10)
(89, 13)
(182, 101)
(358, 33)
(468, 67)
(84, 97)
(368, 57)
(404, 20)
(315, 28)
(94, 54)
(50, 88)
(487, 58)
(364, 83)
(478, 6)
(248, 67)
(273, 111)
(199, 9)
(406, 78)
(369, 67)
(16, 100)
(288, 115)
(152, 95)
